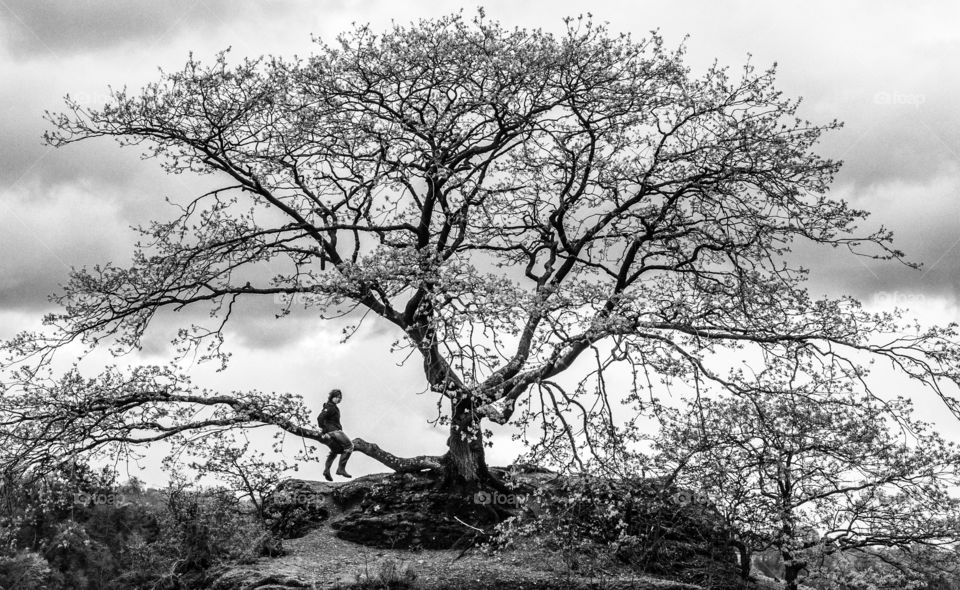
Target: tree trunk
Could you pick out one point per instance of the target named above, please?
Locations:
(791, 571)
(463, 467)
(744, 553)
(790, 577)
(465, 461)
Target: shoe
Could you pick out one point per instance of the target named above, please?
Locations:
(342, 465)
(327, 476)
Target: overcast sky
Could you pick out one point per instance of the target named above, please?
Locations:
(887, 69)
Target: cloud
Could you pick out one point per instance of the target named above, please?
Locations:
(255, 324)
(50, 28)
(30, 89)
(42, 238)
(896, 135)
(924, 215)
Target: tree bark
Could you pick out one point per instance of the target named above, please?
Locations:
(744, 553)
(398, 464)
(791, 571)
(465, 462)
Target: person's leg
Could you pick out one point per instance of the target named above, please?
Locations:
(335, 449)
(347, 445)
(326, 470)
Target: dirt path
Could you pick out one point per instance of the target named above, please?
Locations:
(320, 560)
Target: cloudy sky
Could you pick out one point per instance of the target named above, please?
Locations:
(887, 69)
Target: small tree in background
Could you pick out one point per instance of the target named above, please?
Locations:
(819, 472)
(230, 463)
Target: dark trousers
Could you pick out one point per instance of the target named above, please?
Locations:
(340, 444)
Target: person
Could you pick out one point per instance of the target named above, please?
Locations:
(333, 435)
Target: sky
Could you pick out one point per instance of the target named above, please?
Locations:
(888, 70)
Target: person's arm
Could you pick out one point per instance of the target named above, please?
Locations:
(334, 418)
(322, 418)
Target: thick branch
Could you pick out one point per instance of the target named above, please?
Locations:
(398, 464)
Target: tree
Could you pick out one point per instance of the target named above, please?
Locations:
(511, 201)
(816, 474)
(250, 475)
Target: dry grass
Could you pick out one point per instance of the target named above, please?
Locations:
(322, 561)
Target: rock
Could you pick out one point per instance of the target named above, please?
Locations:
(246, 580)
(338, 531)
(412, 512)
(391, 511)
(299, 506)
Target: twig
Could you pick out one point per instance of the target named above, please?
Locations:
(470, 526)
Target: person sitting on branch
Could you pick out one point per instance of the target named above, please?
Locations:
(334, 437)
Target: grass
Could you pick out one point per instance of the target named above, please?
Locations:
(391, 574)
(323, 561)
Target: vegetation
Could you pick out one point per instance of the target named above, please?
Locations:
(816, 473)
(552, 224)
(517, 205)
(390, 576)
(82, 530)
(598, 525)
(78, 529)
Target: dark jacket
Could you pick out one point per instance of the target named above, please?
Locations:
(329, 418)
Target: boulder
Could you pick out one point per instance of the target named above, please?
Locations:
(391, 511)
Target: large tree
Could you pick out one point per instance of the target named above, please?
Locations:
(511, 201)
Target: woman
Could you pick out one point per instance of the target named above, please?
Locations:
(334, 437)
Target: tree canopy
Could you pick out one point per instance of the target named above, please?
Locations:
(515, 203)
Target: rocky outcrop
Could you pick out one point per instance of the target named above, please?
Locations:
(335, 533)
(391, 511)
(236, 579)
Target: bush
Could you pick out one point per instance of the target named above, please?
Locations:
(594, 523)
(392, 575)
(197, 530)
(26, 569)
(78, 529)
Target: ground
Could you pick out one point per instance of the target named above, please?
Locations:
(337, 535)
(320, 560)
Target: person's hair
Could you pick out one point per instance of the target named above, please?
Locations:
(333, 393)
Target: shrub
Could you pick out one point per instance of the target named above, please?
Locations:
(391, 575)
(27, 569)
(592, 523)
(78, 529)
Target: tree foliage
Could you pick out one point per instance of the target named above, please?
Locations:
(815, 473)
(513, 203)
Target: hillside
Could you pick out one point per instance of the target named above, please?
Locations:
(402, 527)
